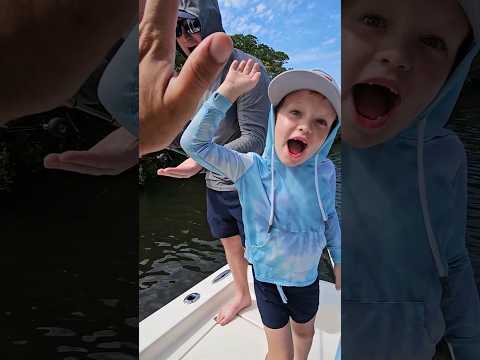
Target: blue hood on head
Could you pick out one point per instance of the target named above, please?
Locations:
(298, 174)
(321, 153)
(436, 115)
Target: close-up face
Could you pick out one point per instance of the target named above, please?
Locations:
(188, 34)
(394, 63)
(303, 121)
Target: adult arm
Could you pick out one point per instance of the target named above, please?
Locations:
(332, 226)
(197, 141)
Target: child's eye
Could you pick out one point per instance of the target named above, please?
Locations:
(295, 113)
(435, 43)
(375, 21)
(321, 122)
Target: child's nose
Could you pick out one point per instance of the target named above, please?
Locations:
(305, 128)
(397, 55)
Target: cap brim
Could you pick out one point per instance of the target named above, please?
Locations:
(294, 80)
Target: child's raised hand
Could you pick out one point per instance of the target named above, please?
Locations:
(241, 78)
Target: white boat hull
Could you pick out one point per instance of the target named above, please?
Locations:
(189, 332)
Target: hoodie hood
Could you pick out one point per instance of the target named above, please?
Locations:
(269, 152)
(207, 11)
(436, 115)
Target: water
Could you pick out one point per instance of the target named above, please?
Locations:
(176, 248)
(68, 266)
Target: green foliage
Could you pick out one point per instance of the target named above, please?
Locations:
(273, 60)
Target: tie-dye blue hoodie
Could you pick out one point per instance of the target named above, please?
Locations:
(288, 212)
(407, 279)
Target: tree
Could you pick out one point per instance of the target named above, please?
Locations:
(273, 60)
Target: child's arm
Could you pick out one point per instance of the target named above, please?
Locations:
(197, 138)
(332, 230)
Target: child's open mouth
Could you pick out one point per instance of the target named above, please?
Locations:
(296, 147)
(374, 103)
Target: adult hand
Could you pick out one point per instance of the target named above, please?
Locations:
(115, 153)
(337, 269)
(186, 169)
(166, 105)
(66, 41)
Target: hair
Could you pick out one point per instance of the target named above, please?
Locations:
(281, 103)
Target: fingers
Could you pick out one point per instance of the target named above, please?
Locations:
(172, 172)
(242, 65)
(234, 65)
(255, 69)
(157, 29)
(199, 71)
(248, 66)
(256, 77)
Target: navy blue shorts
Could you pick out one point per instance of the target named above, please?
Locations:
(301, 306)
(224, 214)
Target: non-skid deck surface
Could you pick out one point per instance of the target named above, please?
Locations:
(244, 338)
(239, 340)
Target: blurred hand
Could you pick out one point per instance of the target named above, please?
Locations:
(67, 41)
(241, 78)
(186, 169)
(117, 152)
(337, 269)
(166, 105)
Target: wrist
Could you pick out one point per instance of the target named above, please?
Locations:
(229, 92)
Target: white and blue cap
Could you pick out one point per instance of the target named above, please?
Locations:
(315, 80)
(182, 14)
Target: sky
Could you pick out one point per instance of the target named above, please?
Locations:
(307, 30)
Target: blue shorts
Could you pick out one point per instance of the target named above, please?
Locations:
(224, 214)
(302, 303)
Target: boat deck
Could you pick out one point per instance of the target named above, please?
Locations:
(188, 331)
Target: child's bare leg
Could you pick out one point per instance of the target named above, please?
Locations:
(280, 346)
(302, 338)
(235, 257)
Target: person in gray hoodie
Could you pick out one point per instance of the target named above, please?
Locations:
(243, 129)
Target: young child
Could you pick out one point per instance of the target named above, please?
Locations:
(407, 277)
(287, 195)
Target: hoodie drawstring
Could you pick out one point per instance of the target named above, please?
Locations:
(324, 216)
(442, 271)
(272, 191)
(282, 294)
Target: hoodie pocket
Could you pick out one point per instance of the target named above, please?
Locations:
(292, 255)
(385, 330)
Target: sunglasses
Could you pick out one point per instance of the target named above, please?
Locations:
(191, 26)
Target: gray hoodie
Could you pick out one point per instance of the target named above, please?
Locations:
(245, 123)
